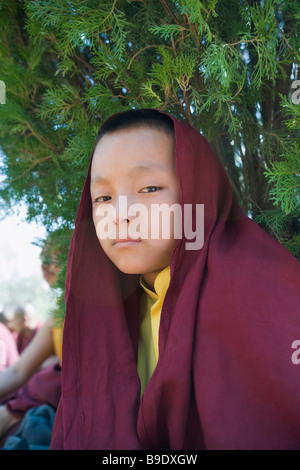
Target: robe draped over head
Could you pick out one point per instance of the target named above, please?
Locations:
(225, 378)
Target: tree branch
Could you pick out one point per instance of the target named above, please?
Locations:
(28, 169)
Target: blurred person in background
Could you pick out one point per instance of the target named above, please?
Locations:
(24, 332)
(28, 384)
(3, 318)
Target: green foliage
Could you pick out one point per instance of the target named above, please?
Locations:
(286, 187)
(283, 176)
(226, 67)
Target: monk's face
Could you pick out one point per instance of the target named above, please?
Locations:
(133, 171)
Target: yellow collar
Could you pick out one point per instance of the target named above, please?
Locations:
(161, 284)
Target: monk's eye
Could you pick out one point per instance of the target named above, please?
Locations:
(100, 199)
(150, 189)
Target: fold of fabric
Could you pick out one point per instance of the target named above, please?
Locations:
(224, 377)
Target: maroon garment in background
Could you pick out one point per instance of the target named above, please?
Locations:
(224, 378)
(25, 337)
(43, 388)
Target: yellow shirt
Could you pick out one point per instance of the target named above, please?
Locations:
(150, 308)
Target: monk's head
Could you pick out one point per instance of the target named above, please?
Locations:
(132, 175)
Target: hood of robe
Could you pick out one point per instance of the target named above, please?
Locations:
(224, 378)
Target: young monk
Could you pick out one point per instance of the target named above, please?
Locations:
(167, 346)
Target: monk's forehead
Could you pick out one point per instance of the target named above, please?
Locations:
(137, 146)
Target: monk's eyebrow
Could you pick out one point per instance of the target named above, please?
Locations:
(145, 166)
(98, 179)
(149, 166)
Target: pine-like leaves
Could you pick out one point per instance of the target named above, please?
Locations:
(227, 67)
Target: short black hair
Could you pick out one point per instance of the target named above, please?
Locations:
(137, 118)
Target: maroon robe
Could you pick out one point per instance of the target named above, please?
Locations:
(225, 378)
